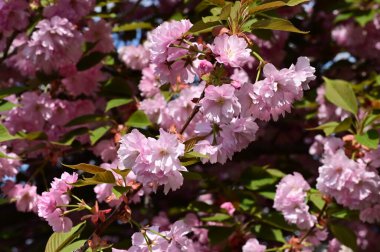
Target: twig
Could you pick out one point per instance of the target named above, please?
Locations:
(314, 226)
(104, 225)
(193, 113)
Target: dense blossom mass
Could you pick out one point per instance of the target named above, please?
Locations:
(202, 135)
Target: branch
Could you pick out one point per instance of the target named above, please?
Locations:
(193, 113)
(104, 225)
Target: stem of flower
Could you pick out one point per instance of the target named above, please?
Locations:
(193, 113)
(111, 218)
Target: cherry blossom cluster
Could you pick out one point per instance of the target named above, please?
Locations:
(228, 106)
(367, 44)
(52, 204)
(352, 180)
(155, 162)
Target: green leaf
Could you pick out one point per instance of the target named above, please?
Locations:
(202, 27)
(117, 103)
(219, 217)
(3, 201)
(5, 135)
(35, 135)
(365, 17)
(90, 60)
(257, 184)
(340, 93)
(195, 154)
(74, 246)
(370, 119)
(93, 169)
(276, 220)
(268, 233)
(316, 198)
(192, 176)
(369, 139)
(58, 241)
(138, 120)
(4, 92)
(275, 173)
(70, 136)
(106, 177)
(219, 234)
(342, 17)
(122, 173)
(86, 119)
(6, 105)
(190, 143)
(268, 195)
(190, 162)
(274, 5)
(132, 26)
(3, 155)
(198, 206)
(276, 24)
(344, 125)
(119, 190)
(345, 235)
(98, 133)
(334, 127)
(116, 86)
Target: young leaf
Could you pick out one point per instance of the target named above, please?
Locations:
(119, 190)
(93, 169)
(328, 128)
(58, 241)
(6, 105)
(35, 135)
(274, 5)
(345, 235)
(369, 139)
(195, 154)
(5, 135)
(218, 217)
(117, 102)
(276, 24)
(99, 178)
(340, 93)
(132, 26)
(138, 120)
(202, 27)
(4, 92)
(86, 119)
(123, 173)
(74, 246)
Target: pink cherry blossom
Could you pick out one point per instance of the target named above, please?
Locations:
(134, 57)
(8, 166)
(290, 199)
(25, 196)
(99, 33)
(84, 82)
(252, 245)
(167, 67)
(220, 103)
(149, 83)
(54, 44)
(229, 207)
(72, 10)
(231, 50)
